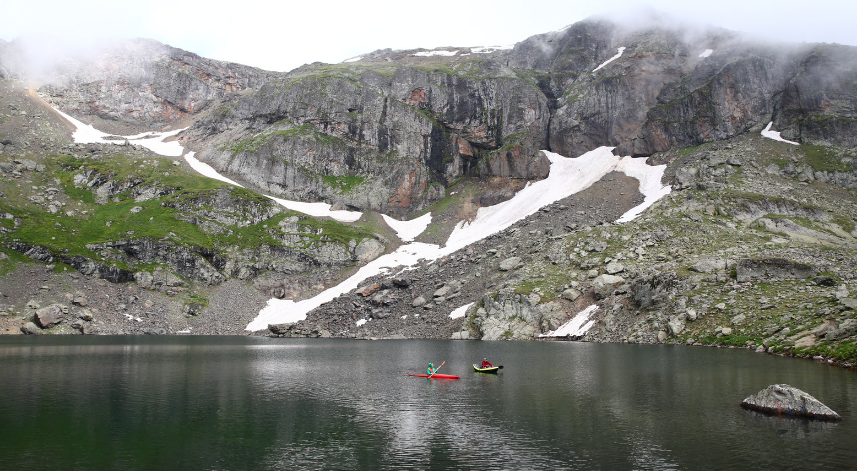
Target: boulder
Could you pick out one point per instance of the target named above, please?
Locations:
(603, 285)
(49, 316)
(675, 326)
(402, 282)
(418, 301)
(850, 303)
(824, 281)
(570, 294)
(615, 267)
(708, 265)
(846, 329)
(824, 329)
(368, 289)
(443, 291)
(764, 269)
(30, 329)
(80, 299)
(368, 250)
(280, 329)
(510, 263)
(782, 399)
(463, 335)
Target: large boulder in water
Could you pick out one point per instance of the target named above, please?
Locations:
(784, 399)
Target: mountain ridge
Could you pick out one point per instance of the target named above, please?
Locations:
(403, 133)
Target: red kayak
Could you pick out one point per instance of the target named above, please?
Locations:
(438, 376)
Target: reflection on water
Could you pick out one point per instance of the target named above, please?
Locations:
(258, 403)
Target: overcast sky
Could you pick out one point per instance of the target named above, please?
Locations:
(282, 35)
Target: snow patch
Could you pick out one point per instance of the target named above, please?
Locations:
(154, 141)
(621, 50)
(435, 53)
(353, 59)
(318, 210)
(650, 184)
(488, 49)
(285, 310)
(567, 177)
(206, 170)
(360, 322)
(706, 53)
(459, 312)
(577, 326)
(776, 135)
(408, 230)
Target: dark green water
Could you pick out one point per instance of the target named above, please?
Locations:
(232, 403)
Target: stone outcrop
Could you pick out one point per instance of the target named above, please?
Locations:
(782, 399)
(508, 317)
(764, 269)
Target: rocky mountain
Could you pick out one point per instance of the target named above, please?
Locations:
(754, 246)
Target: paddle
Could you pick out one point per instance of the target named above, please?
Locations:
(435, 371)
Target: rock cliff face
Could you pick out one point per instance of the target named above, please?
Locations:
(138, 82)
(385, 138)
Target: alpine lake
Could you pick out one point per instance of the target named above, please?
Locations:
(254, 403)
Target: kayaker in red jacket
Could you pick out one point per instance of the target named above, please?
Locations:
(486, 364)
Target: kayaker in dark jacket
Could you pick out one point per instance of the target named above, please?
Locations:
(486, 364)
(430, 369)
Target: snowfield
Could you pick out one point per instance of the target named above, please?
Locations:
(87, 134)
(488, 49)
(776, 135)
(577, 325)
(435, 53)
(621, 50)
(408, 230)
(459, 312)
(706, 53)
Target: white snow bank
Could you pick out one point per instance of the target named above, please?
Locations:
(319, 210)
(776, 135)
(360, 322)
(621, 50)
(353, 59)
(408, 230)
(154, 141)
(206, 170)
(706, 53)
(459, 312)
(577, 326)
(488, 49)
(567, 176)
(435, 53)
(284, 310)
(650, 184)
